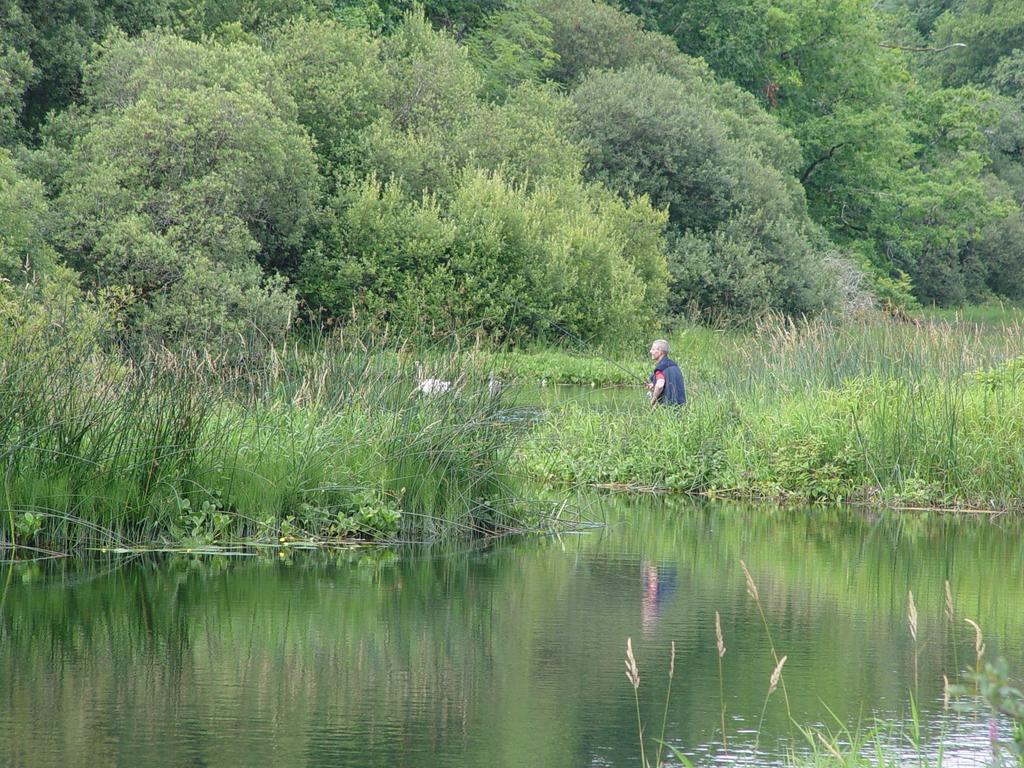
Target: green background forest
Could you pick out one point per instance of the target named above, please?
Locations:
(221, 170)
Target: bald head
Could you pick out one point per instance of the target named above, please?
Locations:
(659, 349)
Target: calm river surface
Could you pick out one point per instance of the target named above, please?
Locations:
(509, 655)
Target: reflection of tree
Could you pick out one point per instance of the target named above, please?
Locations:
(506, 656)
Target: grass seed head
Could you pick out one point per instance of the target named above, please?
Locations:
(632, 672)
(912, 615)
(776, 676)
(719, 642)
(979, 641)
(751, 586)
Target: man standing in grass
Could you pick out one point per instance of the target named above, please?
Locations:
(666, 383)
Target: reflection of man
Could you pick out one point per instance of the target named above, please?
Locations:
(666, 385)
(659, 583)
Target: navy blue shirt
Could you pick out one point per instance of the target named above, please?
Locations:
(674, 392)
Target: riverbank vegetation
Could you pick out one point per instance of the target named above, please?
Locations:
(324, 442)
(913, 415)
(223, 182)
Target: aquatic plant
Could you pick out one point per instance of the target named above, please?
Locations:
(865, 411)
(318, 442)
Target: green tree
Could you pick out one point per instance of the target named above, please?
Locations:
(988, 30)
(435, 123)
(183, 183)
(590, 35)
(512, 47)
(333, 74)
(743, 241)
(25, 221)
(510, 259)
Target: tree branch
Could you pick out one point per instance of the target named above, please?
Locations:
(913, 49)
(810, 169)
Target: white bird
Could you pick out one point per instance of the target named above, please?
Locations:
(493, 384)
(430, 386)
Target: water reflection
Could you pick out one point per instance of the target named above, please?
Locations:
(509, 655)
(659, 585)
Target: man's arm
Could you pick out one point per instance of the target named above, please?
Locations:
(659, 385)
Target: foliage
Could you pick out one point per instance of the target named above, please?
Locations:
(24, 224)
(509, 259)
(514, 46)
(187, 175)
(816, 413)
(888, 166)
(332, 74)
(744, 244)
(231, 171)
(988, 32)
(588, 36)
(16, 74)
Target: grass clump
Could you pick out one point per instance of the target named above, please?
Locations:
(322, 442)
(929, 415)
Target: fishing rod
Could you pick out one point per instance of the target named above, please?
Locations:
(584, 343)
(591, 350)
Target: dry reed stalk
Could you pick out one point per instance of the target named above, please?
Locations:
(979, 644)
(829, 747)
(773, 682)
(668, 697)
(720, 645)
(632, 672)
(945, 693)
(719, 642)
(912, 615)
(776, 676)
(633, 675)
(912, 623)
(751, 586)
(756, 595)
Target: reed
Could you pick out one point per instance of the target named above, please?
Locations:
(912, 626)
(633, 675)
(720, 648)
(979, 644)
(668, 698)
(319, 442)
(756, 597)
(929, 416)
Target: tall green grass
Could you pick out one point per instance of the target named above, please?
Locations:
(325, 441)
(919, 415)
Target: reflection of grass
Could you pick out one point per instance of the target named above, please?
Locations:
(916, 416)
(505, 637)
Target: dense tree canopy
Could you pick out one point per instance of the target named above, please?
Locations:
(219, 168)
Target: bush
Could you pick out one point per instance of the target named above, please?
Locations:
(187, 175)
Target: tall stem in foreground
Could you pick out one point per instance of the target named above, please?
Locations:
(753, 592)
(720, 644)
(668, 697)
(633, 675)
(912, 624)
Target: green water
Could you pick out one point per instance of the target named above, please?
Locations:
(505, 655)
